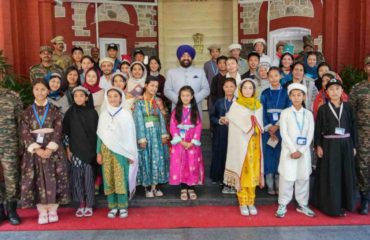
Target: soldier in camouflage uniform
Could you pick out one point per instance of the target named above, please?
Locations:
(10, 108)
(308, 46)
(46, 65)
(59, 57)
(360, 100)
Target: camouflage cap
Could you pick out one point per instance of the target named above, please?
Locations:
(308, 41)
(57, 39)
(367, 60)
(46, 48)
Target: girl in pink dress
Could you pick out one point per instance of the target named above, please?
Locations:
(186, 162)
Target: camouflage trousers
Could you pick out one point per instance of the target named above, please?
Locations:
(9, 188)
(363, 164)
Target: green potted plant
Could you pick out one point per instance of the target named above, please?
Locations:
(351, 76)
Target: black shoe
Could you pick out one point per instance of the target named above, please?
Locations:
(364, 206)
(12, 213)
(2, 213)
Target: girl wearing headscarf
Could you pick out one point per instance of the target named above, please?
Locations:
(244, 162)
(44, 167)
(136, 81)
(92, 77)
(117, 152)
(79, 129)
(56, 96)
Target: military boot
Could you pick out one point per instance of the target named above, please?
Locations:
(364, 205)
(12, 213)
(2, 213)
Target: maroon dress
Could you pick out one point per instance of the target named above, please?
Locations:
(44, 181)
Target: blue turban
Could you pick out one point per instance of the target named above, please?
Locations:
(185, 49)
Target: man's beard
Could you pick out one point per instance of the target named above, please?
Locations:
(186, 63)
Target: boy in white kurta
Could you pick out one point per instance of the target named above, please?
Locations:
(297, 130)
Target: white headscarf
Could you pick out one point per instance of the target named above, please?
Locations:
(133, 82)
(116, 129)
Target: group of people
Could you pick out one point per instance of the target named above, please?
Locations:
(121, 124)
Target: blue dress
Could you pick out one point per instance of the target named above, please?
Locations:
(273, 101)
(285, 77)
(220, 135)
(154, 159)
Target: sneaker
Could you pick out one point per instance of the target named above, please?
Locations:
(225, 190)
(280, 213)
(244, 211)
(305, 210)
(149, 194)
(43, 218)
(123, 213)
(158, 193)
(112, 213)
(88, 212)
(232, 190)
(252, 210)
(53, 217)
(80, 212)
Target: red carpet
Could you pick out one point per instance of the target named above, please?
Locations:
(181, 217)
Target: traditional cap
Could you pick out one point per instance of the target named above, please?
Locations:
(138, 51)
(248, 80)
(126, 58)
(112, 46)
(55, 74)
(308, 41)
(259, 40)
(235, 46)
(46, 48)
(185, 49)
(106, 59)
(57, 39)
(214, 46)
(367, 60)
(77, 48)
(297, 86)
(288, 48)
(80, 88)
(333, 81)
(119, 73)
(264, 64)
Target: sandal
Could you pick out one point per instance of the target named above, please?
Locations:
(80, 212)
(192, 194)
(112, 213)
(184, 194)
(88, 212)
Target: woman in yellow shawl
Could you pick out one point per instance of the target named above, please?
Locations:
(244, 162)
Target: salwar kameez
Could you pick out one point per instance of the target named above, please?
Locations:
(115, 169)
(251, 171)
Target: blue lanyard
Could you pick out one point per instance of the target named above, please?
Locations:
(184, 117)
(215, 71)
(42, 121)
(277, 102)
(115, 112)
(300, 125)
(227, 109)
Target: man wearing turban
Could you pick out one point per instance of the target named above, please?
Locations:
(184, 75)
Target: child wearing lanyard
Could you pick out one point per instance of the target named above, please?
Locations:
(274, 100)
(186, 161)
(220, 123)
(44, 168)
(296, 129)
(117, 152)
(335, 142)
(152, 138)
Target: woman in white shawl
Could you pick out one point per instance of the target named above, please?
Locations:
(244, 161)
(136, 81)
(117, 152)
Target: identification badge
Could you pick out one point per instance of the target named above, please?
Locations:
(301, 140)
(40, 138)
(340, 131)
(182, 133)
(149, 124)
(275, 116)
